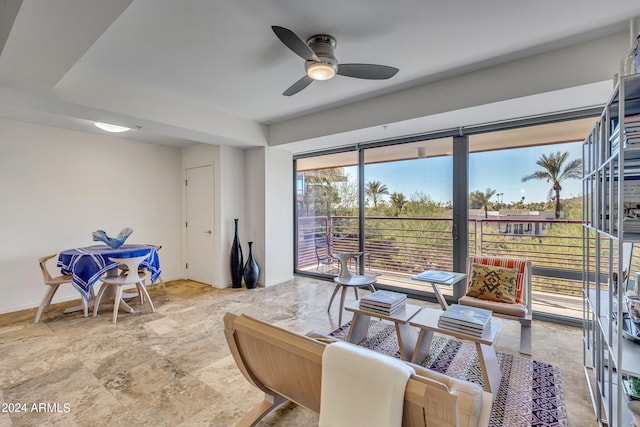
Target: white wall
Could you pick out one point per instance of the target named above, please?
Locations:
(278, 214)
(269, 212)
(255, 188)
(58, 186)
(232, 205)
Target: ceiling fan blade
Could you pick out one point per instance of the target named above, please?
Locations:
(298, 86)
(367, 71)
(295, 43)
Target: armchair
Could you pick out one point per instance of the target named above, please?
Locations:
(521, 309)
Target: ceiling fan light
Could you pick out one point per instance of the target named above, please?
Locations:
(111, 128)
(321, 71)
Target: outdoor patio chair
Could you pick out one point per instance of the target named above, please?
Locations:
(499, 269)
(323, 252)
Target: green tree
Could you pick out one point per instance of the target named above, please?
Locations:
(398, 201)
(320, 193)
(348, 194)
(373, 191)
(556, 172)
(480, 199)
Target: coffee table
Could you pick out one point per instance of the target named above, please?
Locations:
(427, 322)
(407, 336)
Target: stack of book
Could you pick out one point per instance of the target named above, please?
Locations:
(384, 302)
(630, 205)
(632, 130)
(435, 276)
(630, 133)
(469, 320)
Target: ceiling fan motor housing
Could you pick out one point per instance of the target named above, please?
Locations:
(323, 46)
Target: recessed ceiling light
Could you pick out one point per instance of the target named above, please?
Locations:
(111, 128)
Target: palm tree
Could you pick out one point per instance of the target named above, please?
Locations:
(482, 199)
(398, 201)
(375, 189)
(554, 172)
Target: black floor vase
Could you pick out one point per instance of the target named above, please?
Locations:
(251, 270)
(236, 260)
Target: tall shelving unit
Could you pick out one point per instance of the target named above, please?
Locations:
(609, 158)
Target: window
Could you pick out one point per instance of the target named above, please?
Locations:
(399, 204)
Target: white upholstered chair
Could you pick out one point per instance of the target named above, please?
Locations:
(53, 283)
(132, 276)
(521, 310)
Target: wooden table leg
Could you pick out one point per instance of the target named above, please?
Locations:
(490, 369)
(423, 345)
(342, 295)
(109, 293)
(333, 295)
(359, 328)
(439, 296)
(407, 339)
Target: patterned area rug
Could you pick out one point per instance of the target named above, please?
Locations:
(530, 393)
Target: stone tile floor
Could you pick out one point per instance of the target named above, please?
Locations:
(173, 368)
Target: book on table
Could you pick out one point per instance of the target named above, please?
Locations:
(381, 310)
(464, 329)
(384, 298)
(435, 276)
(469, 318)
(373, 304)
(382, 301)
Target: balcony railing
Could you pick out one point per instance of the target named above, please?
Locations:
(403, 247)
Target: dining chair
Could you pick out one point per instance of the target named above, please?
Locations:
(132, 276)
(124, 268)
(158, 247)
(54, 283)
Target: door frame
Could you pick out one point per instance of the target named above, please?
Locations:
(214, 228)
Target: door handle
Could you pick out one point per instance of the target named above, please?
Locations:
(207, 232)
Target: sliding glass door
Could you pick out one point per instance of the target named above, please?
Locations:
(417, 204)
(408, 197)
(525, 202)
(326, 210)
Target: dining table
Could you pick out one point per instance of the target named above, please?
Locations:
(88, 264)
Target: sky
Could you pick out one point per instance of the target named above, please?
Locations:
(499, 170)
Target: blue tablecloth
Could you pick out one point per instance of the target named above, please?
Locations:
(88, 264)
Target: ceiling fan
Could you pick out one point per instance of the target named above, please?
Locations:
(321, 63)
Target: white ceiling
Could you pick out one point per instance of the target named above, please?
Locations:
(213, 71)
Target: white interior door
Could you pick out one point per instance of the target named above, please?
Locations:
(200, 224)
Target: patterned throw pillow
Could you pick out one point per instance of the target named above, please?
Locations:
(493, 283)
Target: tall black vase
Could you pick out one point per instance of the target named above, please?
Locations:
(251, 270)
(236, 260)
